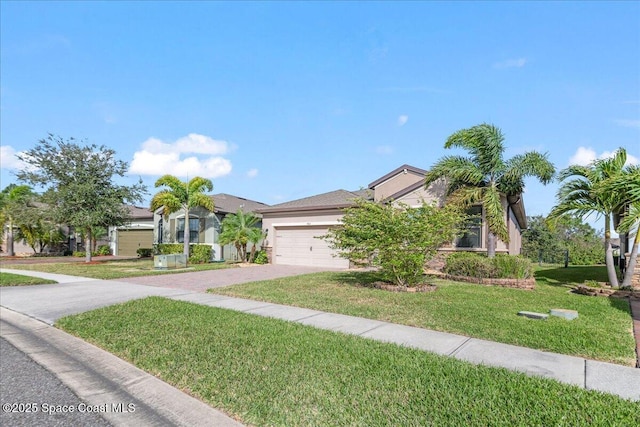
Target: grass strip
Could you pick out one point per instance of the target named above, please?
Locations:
(10, 279)
(603, 330)
(113, 269)
(271, 372)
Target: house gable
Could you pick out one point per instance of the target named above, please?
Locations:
(397, 181)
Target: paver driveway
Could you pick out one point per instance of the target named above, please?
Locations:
(200, 281)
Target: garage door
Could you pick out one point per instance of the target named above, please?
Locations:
(129, 241)
(299, 246)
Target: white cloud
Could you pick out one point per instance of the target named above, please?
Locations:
(402, 120)
(628, 123)
(511, 63)
(157, 157)
(384, 149)
(252, 173)
(8, 159)
(584, 156)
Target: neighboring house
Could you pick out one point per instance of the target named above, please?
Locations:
(293, 227)
(204, 225)
(138, 233)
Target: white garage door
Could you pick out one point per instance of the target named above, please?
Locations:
(299, 246)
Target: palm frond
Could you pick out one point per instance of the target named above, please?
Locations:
(455, 168)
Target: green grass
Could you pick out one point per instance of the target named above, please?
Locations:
(271, 372)
(10, 279)
(603, 330)
(111, 269)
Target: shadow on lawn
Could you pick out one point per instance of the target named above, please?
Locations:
(357, 278)
(574, 274)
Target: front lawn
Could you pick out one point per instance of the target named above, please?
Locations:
(10, 279)
(114, 269)
(603, 330)
(272, 372)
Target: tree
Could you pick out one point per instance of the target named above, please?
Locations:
(590, 189)
(398, 239)
(79, 183)
(548, 242)
(14, 200)
(485, 176)
(240, 229)
(182, 196)
(38, 228)
(628, 184)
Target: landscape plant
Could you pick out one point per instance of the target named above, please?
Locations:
(484, 177)
(396, 238)
(79, 184)
(601, 188)
(241, 229)
(502, 266)
(182, 196)
(14, 201)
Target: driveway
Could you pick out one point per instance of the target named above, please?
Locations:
(200, 281)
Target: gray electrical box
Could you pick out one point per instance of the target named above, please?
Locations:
(165, 262)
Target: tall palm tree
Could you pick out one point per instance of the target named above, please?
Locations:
(14, 199)
(589, 189)
(182, 196)
(628, 184)
(240, 229)
(484, 176)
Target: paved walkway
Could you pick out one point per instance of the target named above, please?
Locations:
(43, 302)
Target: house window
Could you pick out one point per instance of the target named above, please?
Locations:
(472, 238)
(193, 230)
(160, 230)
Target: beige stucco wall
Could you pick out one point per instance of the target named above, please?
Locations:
(394, 184)
(434, 194)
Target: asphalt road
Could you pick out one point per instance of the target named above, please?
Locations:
(27, 386)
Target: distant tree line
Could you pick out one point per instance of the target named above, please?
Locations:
(548, 242)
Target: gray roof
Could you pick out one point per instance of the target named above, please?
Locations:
(332, 199)
(226, 203)
(136, 212)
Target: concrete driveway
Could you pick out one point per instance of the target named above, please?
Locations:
(200, 281)
(73, 295)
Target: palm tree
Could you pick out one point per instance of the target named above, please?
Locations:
(628, 184)
(240, 229)
(14, 199)
(182, 196)
(485, 176)
(589, 189)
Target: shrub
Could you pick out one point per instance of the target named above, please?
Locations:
(397, 238)
(168, 248)
(200, 254)
(512, 267)
(502, 266)
(468, 264)
(261, 258)
(79, 254)
(104, 250)
(144, 252)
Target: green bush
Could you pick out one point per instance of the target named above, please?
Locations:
(200, 254)
(502, 266)
(104, 250)
(468, 264)
(79, 254)
(168, 248)
(144, 252)
(261, 258)
(512, 267)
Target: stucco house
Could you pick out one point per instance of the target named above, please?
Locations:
(293, 227)
(204, 225)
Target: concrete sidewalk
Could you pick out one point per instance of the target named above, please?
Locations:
(610, 378)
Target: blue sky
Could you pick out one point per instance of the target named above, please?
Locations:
(277, 101)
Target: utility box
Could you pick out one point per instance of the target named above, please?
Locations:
(171, 261)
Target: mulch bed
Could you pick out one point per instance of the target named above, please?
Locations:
(606, 291)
